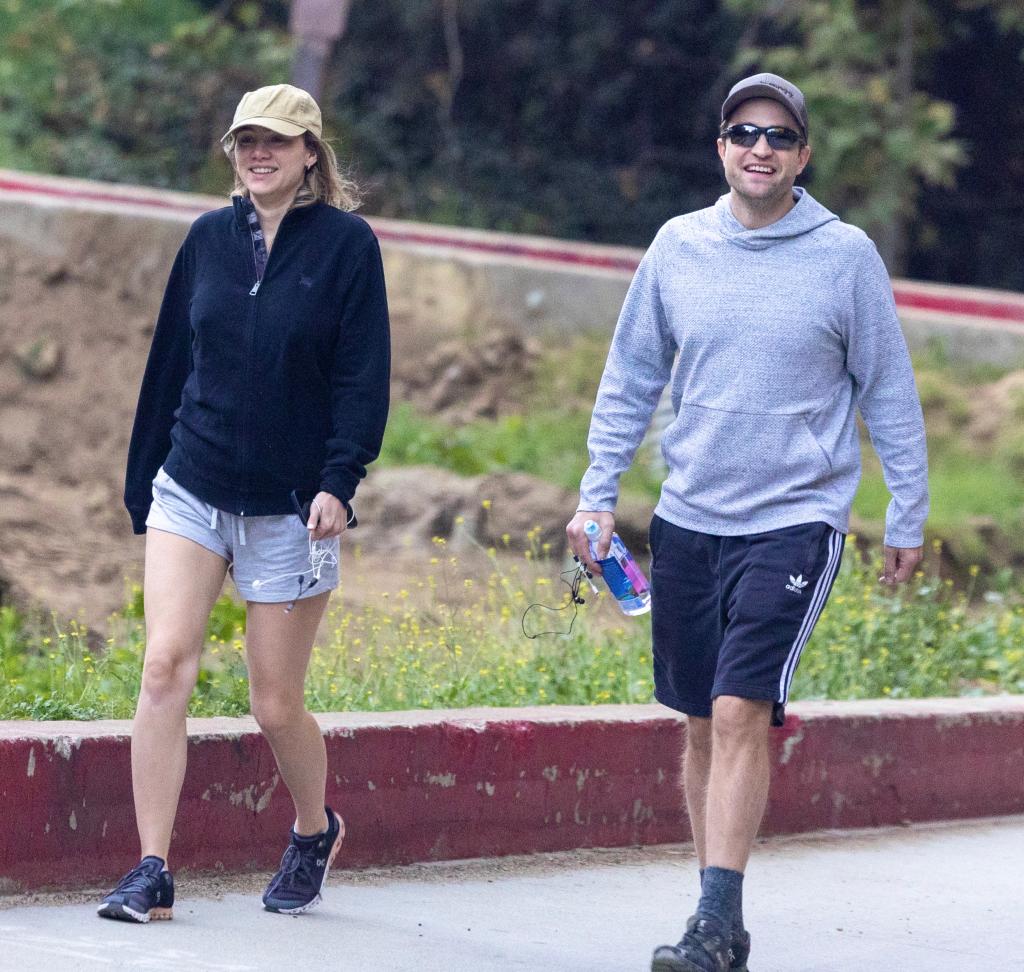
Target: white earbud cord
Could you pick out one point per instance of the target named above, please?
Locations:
(320, 555)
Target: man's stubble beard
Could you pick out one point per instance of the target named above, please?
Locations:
(765, 204)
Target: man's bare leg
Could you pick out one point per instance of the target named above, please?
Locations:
(739, 779)
(696, 774)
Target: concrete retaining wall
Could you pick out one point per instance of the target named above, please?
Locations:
(445, 281)
(485, 782)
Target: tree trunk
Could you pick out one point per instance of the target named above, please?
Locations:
(892, 243)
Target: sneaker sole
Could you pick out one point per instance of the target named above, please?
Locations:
(309, 906)
(674, 965)
(124, 913)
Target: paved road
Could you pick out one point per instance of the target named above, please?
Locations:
(933, 898)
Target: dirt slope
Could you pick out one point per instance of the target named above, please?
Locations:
(74, 335)
(71, 354)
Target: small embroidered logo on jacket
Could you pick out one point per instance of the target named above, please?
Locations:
(796, 584)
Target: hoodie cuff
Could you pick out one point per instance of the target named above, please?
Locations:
(138, 520)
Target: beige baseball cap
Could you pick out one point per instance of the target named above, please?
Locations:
(282, 108)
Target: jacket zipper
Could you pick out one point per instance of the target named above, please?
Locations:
(251, 356)
(250, 346)
(256, 266)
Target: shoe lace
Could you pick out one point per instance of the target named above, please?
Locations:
(139, 878)
(295, 867)
(700, 933)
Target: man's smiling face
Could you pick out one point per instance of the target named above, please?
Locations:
(762, 177)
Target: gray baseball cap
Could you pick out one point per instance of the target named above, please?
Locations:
(771, 86)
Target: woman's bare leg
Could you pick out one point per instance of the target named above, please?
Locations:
(278, 646)
(182, 582)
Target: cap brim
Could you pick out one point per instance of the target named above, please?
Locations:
(278, 125)
(759, 91)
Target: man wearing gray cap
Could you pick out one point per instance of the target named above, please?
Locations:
(782, 324)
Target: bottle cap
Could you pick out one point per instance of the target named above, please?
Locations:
(591, 529)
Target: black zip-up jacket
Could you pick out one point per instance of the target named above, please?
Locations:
(252, 391)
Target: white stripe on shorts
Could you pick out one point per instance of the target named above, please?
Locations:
(818, 598)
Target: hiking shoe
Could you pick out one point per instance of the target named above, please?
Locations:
(145, 892)
(702, 949)
(739, 950)
(297, 885)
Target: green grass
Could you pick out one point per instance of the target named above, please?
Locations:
(548, 443)
(427, 648)
(960, 485)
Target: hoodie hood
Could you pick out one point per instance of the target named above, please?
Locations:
(806, 215)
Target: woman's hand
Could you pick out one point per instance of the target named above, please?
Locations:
(328, 517)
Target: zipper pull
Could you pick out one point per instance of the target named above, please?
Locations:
(255, 287)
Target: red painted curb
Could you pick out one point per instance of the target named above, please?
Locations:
(997, 307)
(447, 785)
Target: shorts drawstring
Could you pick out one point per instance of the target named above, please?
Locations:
(215, 513)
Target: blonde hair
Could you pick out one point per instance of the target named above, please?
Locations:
(323, 181)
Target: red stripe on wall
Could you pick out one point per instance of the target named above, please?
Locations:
(906, 297)
(951, 304)
(92, 195)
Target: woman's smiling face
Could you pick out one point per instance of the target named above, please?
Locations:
(271, 166)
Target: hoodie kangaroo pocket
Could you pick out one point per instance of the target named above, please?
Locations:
(727, 460)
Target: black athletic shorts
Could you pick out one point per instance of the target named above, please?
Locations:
(730, 615)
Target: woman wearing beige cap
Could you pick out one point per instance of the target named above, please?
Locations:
(264, 399)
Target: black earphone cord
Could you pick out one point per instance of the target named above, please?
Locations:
(573, 579)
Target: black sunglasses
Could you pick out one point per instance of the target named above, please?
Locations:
(779, 138)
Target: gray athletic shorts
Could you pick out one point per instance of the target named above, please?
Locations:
(268, 556)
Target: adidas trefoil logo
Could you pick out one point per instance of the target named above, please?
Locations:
(796, 584)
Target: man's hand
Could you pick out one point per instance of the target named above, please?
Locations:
(328, 517)
(900, 563)
(578, 542)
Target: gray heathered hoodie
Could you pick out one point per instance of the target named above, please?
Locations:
(782, 333)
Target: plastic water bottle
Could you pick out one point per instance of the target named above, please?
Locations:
(621, 573)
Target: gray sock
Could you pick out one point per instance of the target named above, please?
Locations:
(721, 899)
(738, 923)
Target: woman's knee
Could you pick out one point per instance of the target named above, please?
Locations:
(276, 712)
(169, 672)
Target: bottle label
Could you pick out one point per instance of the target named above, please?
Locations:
(629, 566)
(617, 580)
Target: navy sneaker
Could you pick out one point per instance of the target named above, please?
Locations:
(739, 950)
(702, 949)
(145, 893)
(297, 885)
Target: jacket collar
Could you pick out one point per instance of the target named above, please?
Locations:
(242, 206)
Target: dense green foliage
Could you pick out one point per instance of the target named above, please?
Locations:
(127, 90)
(598, 122)
(591, 121)
(585, 120)
(877, 140)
